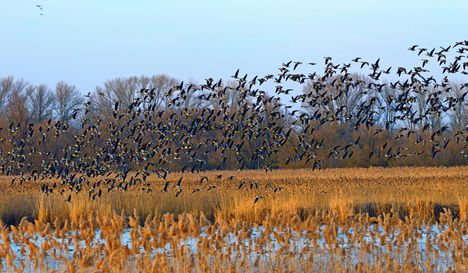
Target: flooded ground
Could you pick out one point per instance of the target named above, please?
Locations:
(259, 248)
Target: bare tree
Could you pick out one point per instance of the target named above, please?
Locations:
(41, 102)
(161, 84)
(67, 99)
(387, 107)
(153, 90)
(8, 86)
(336, 97)
(458, 107)
(429, 104)
(17, 107)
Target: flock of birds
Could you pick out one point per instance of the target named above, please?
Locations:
(239, 123)
(41, 8)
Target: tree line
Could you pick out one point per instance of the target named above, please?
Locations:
(23, 104)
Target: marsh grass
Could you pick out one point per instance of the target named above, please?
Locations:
(353, 220)
(280, 243)
(422, 191)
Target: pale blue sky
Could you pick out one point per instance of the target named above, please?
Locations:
(89, 41)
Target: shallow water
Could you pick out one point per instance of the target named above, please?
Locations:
(324, 245)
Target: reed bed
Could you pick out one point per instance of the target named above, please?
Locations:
(280, 243)
(336, 220)
(296, 192)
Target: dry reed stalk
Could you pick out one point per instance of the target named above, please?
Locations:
(385, 216)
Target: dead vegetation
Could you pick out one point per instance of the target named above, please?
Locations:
(279, 243)
(372, 191)
(358, 220)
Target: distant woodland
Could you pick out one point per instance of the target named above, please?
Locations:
(288, 120)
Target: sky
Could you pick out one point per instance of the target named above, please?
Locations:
(87, 42)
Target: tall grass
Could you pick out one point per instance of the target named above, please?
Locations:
(353, 220)
(422, 191)
(281, 243)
